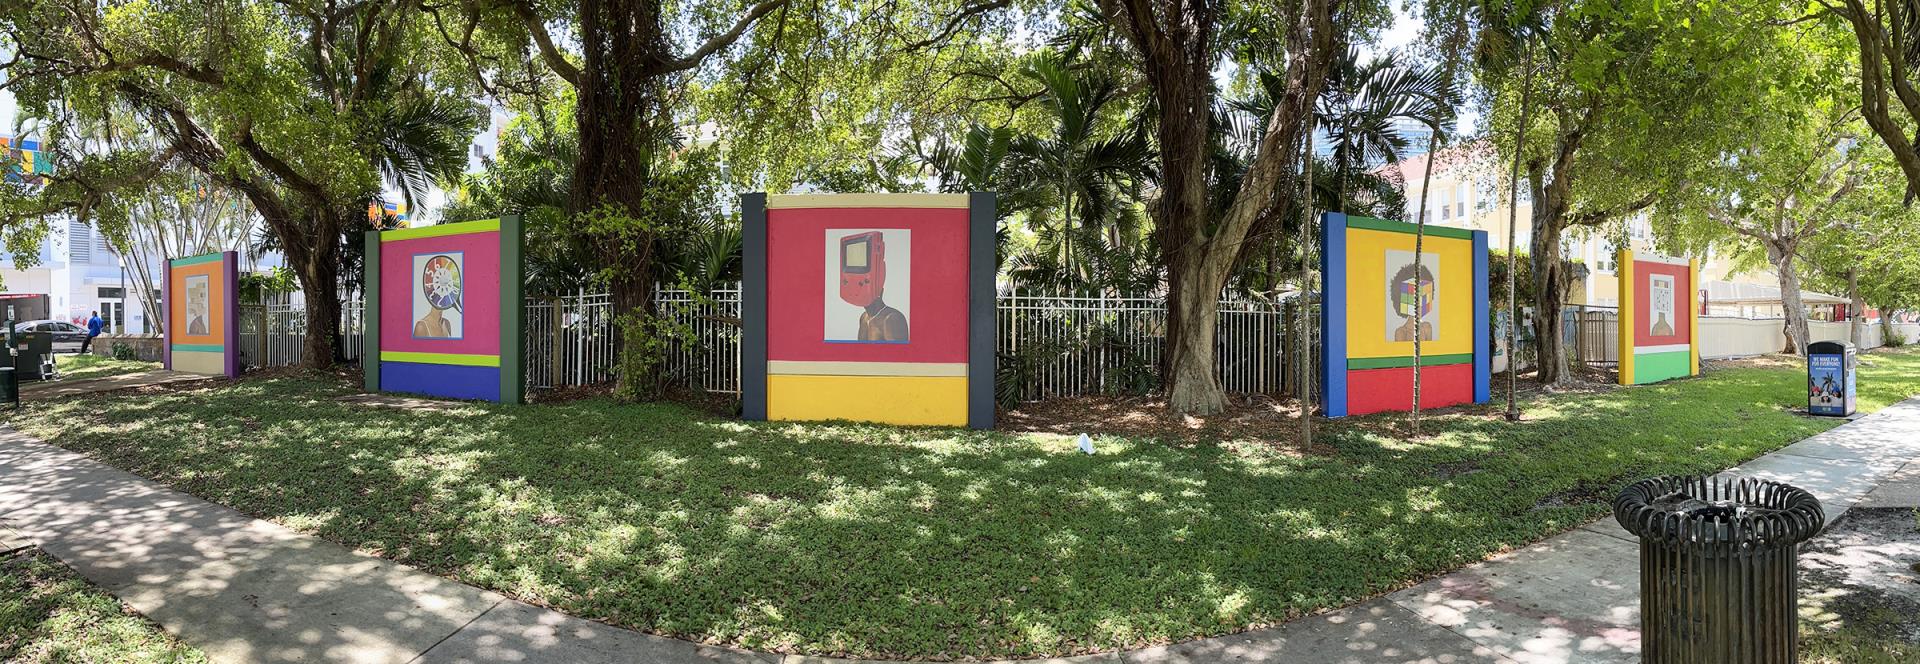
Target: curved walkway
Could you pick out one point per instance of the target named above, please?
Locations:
(247, 590)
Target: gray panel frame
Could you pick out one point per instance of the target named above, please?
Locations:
(982, 269)
(753, 307)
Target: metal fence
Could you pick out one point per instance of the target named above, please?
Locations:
(1049, 345)
(569, 340)
(710, 361)
(274, 333)
(1063, 345)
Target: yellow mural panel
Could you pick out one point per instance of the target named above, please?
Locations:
(910, 400)
(1368, 332)
(200, 362)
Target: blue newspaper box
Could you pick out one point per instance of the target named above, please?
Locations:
(1830, 378)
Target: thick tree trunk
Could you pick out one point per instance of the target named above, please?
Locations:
(1193, 305)
(1796, 312)
(1194, 389)
(1177, 48)
(619, 118)
(1548, 300)
(316, 265)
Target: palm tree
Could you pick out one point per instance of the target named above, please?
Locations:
(1366, 105)
(1089, 175)
(1077, 183)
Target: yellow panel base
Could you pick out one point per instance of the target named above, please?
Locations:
(913, 400)
(212, 364)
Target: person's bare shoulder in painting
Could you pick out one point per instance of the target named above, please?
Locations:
(879, 322)
(1662, 328)
(433, 326)
(1405, 331)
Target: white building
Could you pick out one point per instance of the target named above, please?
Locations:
(79, 273)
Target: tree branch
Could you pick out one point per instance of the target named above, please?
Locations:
(555, 60)
(954, 23)
(719, 41)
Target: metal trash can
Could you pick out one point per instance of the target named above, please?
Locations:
(30, 351)
(1719, 561)
(1830, 367)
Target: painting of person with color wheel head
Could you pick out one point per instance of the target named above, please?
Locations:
(437, 305)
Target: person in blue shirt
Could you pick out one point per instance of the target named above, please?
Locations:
(93, 330)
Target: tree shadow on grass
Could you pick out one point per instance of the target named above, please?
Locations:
(919, 543)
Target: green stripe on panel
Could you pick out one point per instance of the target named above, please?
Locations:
(1407, 361)
(199, 348)
(440, 358)
(1656, 367)
(463, 227)
(196, 260)
(1371, 223)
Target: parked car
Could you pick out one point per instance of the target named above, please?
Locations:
(66, 336)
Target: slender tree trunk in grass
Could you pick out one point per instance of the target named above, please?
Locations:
(1306, 286)
(1419, 246)
(1789, 275)
(1513, 224)
(1856, 307)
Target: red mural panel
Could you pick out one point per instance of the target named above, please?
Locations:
(1379, 390)
(797, 263)
(1683, 297)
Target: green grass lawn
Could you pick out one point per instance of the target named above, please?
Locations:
(927, 543)
(80, 367)
(49, 614)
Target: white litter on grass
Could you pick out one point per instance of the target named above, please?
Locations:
(1086, 444)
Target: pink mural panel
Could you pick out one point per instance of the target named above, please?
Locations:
(475, 324)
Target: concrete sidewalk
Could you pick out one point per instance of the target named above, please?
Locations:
(246, 590)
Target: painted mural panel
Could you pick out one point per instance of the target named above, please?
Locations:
(202, 315)
(868, 307)
(449, 319)
(1657, 318)
(1379, 300)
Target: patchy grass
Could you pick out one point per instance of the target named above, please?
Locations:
(928, 543)
(1863, 641)
(49, 614)
(80, 367)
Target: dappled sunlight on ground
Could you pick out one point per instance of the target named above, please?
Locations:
(925, 542)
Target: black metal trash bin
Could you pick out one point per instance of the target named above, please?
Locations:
(1719, 561)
